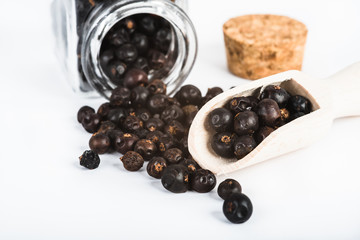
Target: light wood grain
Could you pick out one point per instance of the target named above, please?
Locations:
(334, 97)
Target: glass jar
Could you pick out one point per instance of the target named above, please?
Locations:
(80, 27)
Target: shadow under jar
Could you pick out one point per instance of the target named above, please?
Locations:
(100, 43)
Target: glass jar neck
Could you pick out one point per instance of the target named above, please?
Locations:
(107, 14)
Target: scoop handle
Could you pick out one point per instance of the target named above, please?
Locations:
(345, 89)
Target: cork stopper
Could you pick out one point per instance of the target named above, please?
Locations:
(258, 46)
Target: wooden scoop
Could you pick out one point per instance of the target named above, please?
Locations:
(334, 97)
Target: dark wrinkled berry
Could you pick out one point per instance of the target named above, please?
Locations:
(299, 103)
(116, 138)
(172, 112)
(117, 115)
(154, 124)
(139, 96)
(211, 93)
(243, 145)
(132, 161)
(241, 104)
(91, 123)
(128, 143)
(141, 133)
(166, 142)
(146, 148)
(120, 97)
(154, 136)
(189, 94)
(268, 112)
(175, 178)
(262, 133)
(142, 64)
(103, 110)
(162, 39)
(190, 164)
(89, 159)
(183, 145)
(158, 103)
(173, 155)
(132, 124)
(127, 53)
(237, 208)
(156, 167)
(276, 93)
(228, 187)
(157, 86)
(222, 144)
(246, 123)
(105, 127)
(141, 42)
(143, 114)
(203, 181)
(135, 77)
(220, 120)
(106, 57)
(115, 70)
(99, 143)
(84, 112)
(118, 37)
(156, 59)
(175, 128)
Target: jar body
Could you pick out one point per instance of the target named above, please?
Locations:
(80, 27)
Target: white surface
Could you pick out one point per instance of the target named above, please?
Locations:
(45, 194)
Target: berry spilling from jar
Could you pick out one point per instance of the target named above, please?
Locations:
(136, 49)
(245, 121)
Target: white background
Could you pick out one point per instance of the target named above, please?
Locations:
(313, 193)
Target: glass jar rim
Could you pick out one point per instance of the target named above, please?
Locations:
(103, 18)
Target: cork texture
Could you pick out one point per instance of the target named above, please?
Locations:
(258, 46)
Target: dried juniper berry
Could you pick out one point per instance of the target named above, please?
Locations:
(91, 123)
(211, 93)
(99, 143)
(146, 148)
(299, 103)
(120, 97)
(103, 110)
(202, 181)
(228, 187)
(246, 123)
(166, 142)
(276, 93)
(173, 155)
(268, 112)
(175, 178)
(117, 115)
(189, 94)
(105, 127)
(116, 139)
(142, 64)
(132, 124)
(156, 167)
(190, 164)
(157, 103)
(157, 86)
(118, 37)
(156, 59)
(89, 159)
(132, 161)
(127, 143)
(262, 133)
(105, 57)
(154, 136)
(147, 24)
(135, 77)
(84, 112)
(139, 96)
(143, 114)
(115, 70)
(183, 145)
(154, 124)
(162, 39)
(241, 104)
(222, 144)
(237, 208)
(126, 53)
(243, 145)
(172, 112)
(176, 129)
(141, 42)
(220, 120)
(141, 133)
